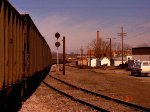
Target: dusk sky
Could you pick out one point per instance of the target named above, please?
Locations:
(79, 20)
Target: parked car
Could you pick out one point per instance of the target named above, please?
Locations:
(140, 68)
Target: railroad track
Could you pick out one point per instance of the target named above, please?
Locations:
(94, 100)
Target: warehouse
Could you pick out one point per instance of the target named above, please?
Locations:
(141, 53)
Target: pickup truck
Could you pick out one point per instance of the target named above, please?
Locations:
(140, 68)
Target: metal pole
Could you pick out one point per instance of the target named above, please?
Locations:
(122, 43)
(81, 56)
(110, 53)
(64, 55)
(90, 57)
(57, 60)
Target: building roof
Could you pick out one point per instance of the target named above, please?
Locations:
(141, 51)
(119, 59)
(103, 58)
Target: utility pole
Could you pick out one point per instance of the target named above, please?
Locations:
(110, 51)
(122, 34)
(90, 57)
(64, 55)
(81, 55)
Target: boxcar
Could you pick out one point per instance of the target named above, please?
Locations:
(24, 53)
(37, 51)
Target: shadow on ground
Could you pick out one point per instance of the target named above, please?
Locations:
(11, 98)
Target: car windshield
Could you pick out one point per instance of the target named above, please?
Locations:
(145, 63)
(137, 64)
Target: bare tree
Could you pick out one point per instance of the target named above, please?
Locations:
(100, 50)
(117, 46)
(104, 49)
(127, 47)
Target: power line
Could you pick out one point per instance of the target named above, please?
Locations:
(139, 34)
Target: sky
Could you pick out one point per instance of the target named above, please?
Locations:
(79, 20)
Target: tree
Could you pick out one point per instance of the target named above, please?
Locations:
(104, 49)
(100, 50)
(117, 46)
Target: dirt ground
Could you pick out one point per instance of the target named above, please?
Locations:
(115, 83)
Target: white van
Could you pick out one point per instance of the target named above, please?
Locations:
(141, 67)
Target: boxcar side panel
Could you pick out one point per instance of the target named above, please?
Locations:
(32, 51)
(1, 44)
(17, 50)
(14, 49)
(6, 44)
(21, 51)
(26, 50)
(10, 45)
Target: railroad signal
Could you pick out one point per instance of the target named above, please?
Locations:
(57, 35)
(57, 44)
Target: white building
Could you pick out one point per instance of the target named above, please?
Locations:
(118, 61)
(94, 62)
(104, 61)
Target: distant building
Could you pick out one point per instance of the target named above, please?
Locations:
(118, 61)
(105, 61)
(129, 57)
(93, 62)
(117, 53)
(141, 53)
(91, 53)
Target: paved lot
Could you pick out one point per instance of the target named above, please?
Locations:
(115, 83)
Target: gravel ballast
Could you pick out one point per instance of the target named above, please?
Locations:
(115, 83)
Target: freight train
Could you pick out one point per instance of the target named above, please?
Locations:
(25, 56)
